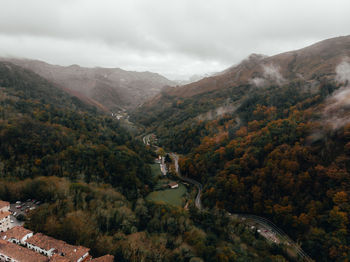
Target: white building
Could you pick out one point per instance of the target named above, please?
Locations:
(49, 246)
(173, 185)
(5, 221)
(17, 235)
(42, 244)
(20, 245)
(16, 253)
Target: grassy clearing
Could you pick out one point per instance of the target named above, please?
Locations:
(155, 168)
(170, 196)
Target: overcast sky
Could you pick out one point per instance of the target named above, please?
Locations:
(176, 38)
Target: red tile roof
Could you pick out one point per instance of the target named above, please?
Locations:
(16, 232)
(20, 253)
(106, 258)
(58, 258)
(4, 204)
(4, 214)
(43, 241)
(70, 252)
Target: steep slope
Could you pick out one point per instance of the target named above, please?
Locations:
(306, 68)
(309, 63)
(270, 137)
(108, 88)
(46, 132)
(91, 177)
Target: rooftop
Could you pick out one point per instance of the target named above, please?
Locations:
(20, 253)
(68, 251)
(4, 214)
(106, 258)
(4, 204)
(43, 241)
(16, 232)
(58, 258)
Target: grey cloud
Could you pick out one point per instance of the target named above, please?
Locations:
(169, 37)
(336, 112)
(343, 71)
(258, 81)
(272, 72)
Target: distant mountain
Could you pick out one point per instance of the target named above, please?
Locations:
(107, 88)
(193, 78)
(308, 67)
(310, 63)
(304, 72)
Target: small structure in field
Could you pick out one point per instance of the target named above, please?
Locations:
(173, 185)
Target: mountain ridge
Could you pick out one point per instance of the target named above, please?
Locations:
(291, 66)
(307, 68)
(110, 89)
(269, 137)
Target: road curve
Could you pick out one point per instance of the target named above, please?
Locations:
(199, 186)
(266, 224)
(263, 223)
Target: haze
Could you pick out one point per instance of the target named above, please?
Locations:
(173, 38)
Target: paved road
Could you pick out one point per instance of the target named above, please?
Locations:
(199, 186)
(267, 228)
(270, 231)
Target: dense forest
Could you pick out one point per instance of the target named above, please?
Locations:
(92, 177)
(275, 154)
(46, 132)
(99, 217)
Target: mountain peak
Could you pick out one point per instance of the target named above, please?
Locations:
(256, 57)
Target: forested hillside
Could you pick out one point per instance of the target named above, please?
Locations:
(46, 132)
(110, 89)
(99, 217)
(92, 178)
(270, 144)
(284, 165)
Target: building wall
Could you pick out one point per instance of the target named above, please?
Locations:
(40, 250)
(6, 208)
(24, 239)
(14, 240)
(5, 224)
(3, 257)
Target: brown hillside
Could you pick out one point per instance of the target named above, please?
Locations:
(108, 88)
(314, 61)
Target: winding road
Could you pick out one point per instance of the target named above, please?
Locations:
(266, 224)
(199, 186)
(266, 227)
